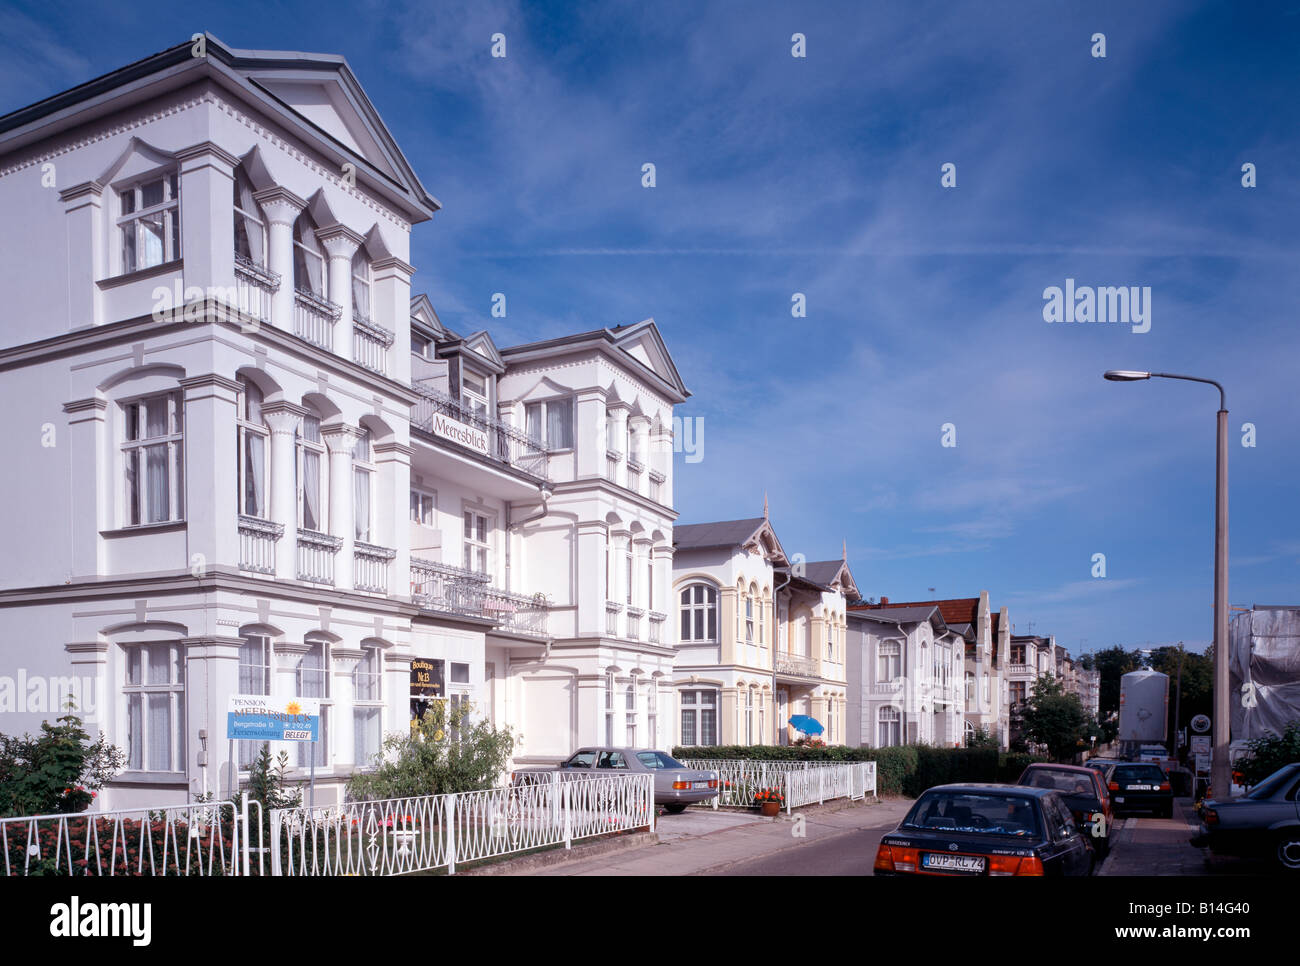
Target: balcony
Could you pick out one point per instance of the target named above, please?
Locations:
(254, 287)
(314, 318)
(887, 688)
(798, 666)
(316, 556)
(1020, 670)
(455, 590)
(612, 610)
(257, 539)
(370, 345)
(370, 567)
(634, 615)
(442, 416)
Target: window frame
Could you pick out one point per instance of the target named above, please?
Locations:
(707, 609)
(543, 408)
(321, 748)
(694, 709)
(246, 427)
(304, 444)
(173, 687)
(135, 510)
(484, 547)
(363, 473)
(249, 750)
(168, 208)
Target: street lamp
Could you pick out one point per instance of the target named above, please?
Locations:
(1219, 763)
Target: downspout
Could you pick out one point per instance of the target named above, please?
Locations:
(776, 618)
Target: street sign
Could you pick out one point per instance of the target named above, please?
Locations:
(1201, 723)
(1202, 764)
(260, 717)
(1200, 745)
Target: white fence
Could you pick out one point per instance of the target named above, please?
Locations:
(800, 782)
(403, 835)
(202, 839)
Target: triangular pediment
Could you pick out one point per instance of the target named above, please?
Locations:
(138, 158)
(643, 343)
(763, 542)
(544, 388)
(481, 343)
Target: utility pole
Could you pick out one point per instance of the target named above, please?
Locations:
(1178, 698)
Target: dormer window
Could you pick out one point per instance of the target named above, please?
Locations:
(474, 393)
(150, 223)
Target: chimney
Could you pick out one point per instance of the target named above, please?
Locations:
(884, 601)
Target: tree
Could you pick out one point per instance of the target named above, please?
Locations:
(58, 772)
(1054, 718)
(1197, 683)
(982, 738)
(446, 751)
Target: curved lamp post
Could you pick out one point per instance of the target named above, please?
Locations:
(1219, 771)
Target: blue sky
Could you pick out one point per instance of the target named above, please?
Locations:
(821, 175)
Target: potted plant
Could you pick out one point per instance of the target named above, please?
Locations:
(769, 801)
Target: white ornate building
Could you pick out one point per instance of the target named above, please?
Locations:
(252, 463)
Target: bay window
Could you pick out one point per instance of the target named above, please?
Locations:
(153, 432)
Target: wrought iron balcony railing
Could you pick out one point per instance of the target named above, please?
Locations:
(455, 590)
(504, 443)
(314, 318)
(798, 665)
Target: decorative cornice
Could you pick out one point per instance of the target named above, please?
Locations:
(207, 149)
(85, 405)
(87, 189)
(280, 205)
(210, 379)
(86, 647)
(393, 263)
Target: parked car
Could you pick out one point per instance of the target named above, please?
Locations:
(986, 830)
(676, 786)
(1101, 765)
(1138, 787)
(1263, 822)
(1084, 791)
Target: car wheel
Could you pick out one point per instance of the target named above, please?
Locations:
(1288, 851)
(675, 808)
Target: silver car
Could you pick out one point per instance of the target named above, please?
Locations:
(676, 786)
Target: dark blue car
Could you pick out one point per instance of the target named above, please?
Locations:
(986, 830)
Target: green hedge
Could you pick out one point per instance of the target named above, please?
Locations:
(900, 770)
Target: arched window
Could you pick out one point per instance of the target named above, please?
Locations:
(368, 705)
(253, 442)
(749, 716)
(699, 603)
(749, 614)
(762, 621)
(888, 727)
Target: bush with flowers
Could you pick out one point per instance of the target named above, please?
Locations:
(58, 771)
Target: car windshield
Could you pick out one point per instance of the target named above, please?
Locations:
(657, 759)
(1065, 782)
(989, 814)
(1138, 773)
(1270, 785)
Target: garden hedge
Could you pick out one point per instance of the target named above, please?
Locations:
(900, 770)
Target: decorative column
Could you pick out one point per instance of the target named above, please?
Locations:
(285, 420)
(281, 208)
(341, 243)
(639, 443)
(617, 411)
(340, 440)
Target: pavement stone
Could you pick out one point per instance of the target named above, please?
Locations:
(1157, 846)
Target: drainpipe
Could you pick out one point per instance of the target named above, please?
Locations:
(776, 612)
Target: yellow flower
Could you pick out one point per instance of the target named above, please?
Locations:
(437, 735)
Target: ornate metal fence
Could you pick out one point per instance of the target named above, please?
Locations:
(204, 839)
(402, 835)
(799, 782)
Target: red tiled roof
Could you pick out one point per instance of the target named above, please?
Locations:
(959, 610)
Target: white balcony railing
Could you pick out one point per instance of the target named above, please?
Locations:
(314, 318)
(656, 627)
(370, 567)
(370, 344)
(612, 610)
(517, 613)
(1023, 670)
(257, 539)
(797, 665)
(887, 687)
(316, 556)
(505, 443)
(254, 288)
(442, 587)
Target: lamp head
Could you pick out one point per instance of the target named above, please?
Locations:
(1125, 375)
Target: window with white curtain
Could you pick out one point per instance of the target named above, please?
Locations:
(888, 727)
(699, 607)
(254, 444)
(749, 716)
(550, 423)
(368, 705)
(310, 266)
(630, 709)
(152, 443)
(424, 507)
(749, 614)
(250, 229)
(890, 666)
(609, 707)
(363, 471)
(361, 285)
(311, 480)
(149, 222)
(474, 393)
(312, 681)
(154, 692)
(699, 717)
(630, 569)
(254, 678)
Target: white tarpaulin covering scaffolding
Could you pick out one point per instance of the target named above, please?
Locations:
(1264, 671)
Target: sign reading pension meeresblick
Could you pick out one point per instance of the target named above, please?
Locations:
(260, 717)
(462, 433)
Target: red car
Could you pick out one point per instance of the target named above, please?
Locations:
(1084, 791)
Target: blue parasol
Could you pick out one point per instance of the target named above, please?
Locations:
(809, 726)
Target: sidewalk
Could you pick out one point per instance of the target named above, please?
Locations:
(700, 840)
(1157, 846)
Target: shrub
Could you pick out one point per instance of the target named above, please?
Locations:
(57, 772)
(1270, 753)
